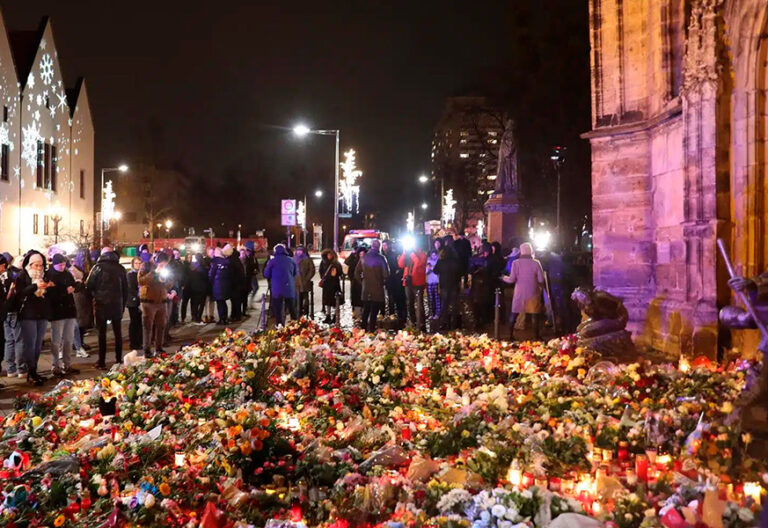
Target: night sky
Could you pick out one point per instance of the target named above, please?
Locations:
(207, 86)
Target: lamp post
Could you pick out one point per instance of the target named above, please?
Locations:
(558, 159)
(424, 179)
(168, 226)
(105, 170)
(303, 130)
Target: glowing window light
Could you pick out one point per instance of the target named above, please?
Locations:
(349, 189)
(449, 207)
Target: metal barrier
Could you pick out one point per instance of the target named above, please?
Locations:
(338, 309)
(497, 313)
(263, 320)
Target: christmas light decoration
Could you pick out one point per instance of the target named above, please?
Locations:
(409, 222)
(480, 229)
(449, 207)
(301, 215)
(108, 203)
(349, 189)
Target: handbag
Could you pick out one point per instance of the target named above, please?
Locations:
(322, 281)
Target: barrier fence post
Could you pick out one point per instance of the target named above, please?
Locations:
(497, 313)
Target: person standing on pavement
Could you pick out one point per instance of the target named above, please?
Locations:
(108, 286)
(372, 271)
(29, 295)
(356, 286)
(250, 267)
(63, 315)
(79, 269)
(395, 290)
(176, 269)
(280, 271)
(134, 305)
(220, 277)
(481, 289)
(153, 294)
(330, 281)
(197, 286)
(304, 273)
(414, 266)
(433, 287)
(463, 248)
(14, 360)
(238, 284)
(448, 270)
(186, 294)
(210, 302)
(528, 277)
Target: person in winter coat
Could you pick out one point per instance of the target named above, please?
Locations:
(481, 290)
(220, 277)
(414, 266)
(448, 270)
(238, 284)
(463, 249)
(14, 359)
(356, 286)
(305, 271)
(154, 291)
(330, 280)
(134, 305)
(63, 315)
(433, 287)
(372, 271)
(395, 289)
(197, 287)
(528, 277)
(280, 271)
(30, 295)
(210, 302)
(108, 286)
(251, 268)
(80, 268)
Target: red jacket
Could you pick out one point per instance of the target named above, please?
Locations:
(416, 268)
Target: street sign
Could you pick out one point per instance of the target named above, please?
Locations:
(288, 212)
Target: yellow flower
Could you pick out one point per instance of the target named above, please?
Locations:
(59, 521)
(165, 489)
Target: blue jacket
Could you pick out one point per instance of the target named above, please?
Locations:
(221, 277)
(281, 274)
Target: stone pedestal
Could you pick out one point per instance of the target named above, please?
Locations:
(507, 220)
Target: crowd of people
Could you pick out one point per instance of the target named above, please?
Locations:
(445, 285)
(92, 290)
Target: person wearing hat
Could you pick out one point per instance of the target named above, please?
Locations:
(29, 296)
(63, 315)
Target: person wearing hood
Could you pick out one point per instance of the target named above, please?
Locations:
(280, 271)
(79, 269)
(304, 273)
(15, 365)
(220, 277)
(63, 313)
(330, 281)
(528, 277)
(372, 271)
(29, 292)
(108, 286)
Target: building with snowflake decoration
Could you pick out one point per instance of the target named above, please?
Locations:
(46, 146)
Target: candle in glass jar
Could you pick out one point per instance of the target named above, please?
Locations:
(651, 453)
(515, 475)
(623, 451)
(631, 477)
(663, 461)
(641, 467)
(179, 459)
(753, 490)
(597, 508)
(527, 480)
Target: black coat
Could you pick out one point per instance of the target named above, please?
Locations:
(197, 280)
(331, 281)
(133, 289)
(238, 274)
(221, 277)
(29, 305)
(463, 249)
(448, 269)
(62, 303)
(108, 285)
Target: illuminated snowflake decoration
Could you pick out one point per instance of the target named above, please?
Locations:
(301, 215)
(46, 69)
(5, 136)
(349, 189)
(410, 222)
(62, 97)
(449, 207)
(29, 138)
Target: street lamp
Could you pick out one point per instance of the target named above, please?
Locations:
(558, 159)
(319, 193)
(302, 130)
(424, 205)
(423, 179)
(120, 168)
(168, 226)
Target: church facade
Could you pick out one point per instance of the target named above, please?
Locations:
(679, 140)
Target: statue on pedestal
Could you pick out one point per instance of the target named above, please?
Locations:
(506, 172)
(604, 322)
(754, 401)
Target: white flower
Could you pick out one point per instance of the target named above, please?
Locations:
(745, 514)
(498, 510)
(485, 516)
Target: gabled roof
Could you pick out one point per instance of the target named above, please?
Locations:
(73, 94)
(24, 46)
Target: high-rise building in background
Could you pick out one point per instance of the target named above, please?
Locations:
(464, 154)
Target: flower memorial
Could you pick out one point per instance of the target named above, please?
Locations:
(308, 426)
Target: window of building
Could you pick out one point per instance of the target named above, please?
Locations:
(492, 133)
(35, 224)
(39, 164)
(5, 157)
(493, 141)
(46, 166)
(464, 155)
(47, 102)
(82, 228)
(54, 167)
(464, 133)
(45, 225)
(82, 184)
(5, 114)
